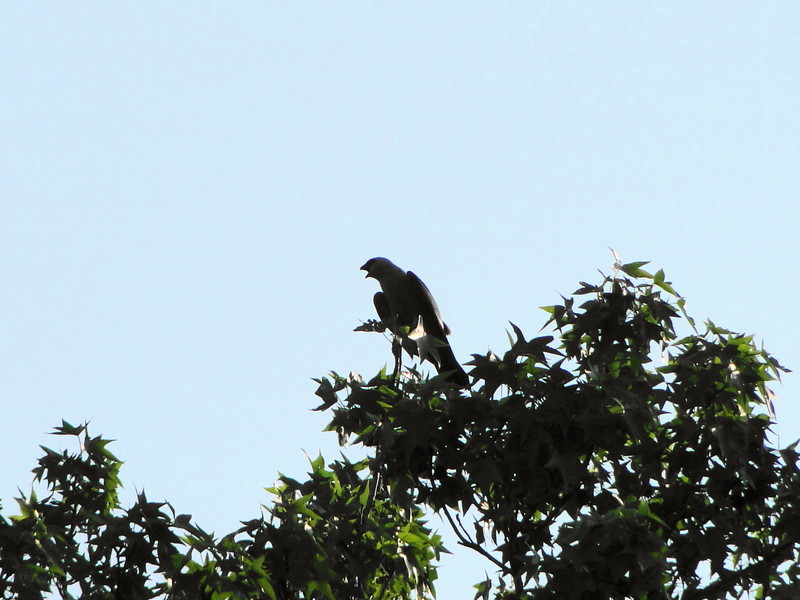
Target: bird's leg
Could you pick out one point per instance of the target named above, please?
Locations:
(397, 351)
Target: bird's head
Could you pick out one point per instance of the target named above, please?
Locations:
(379, 267)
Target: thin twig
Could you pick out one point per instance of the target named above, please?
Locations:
(468, 543)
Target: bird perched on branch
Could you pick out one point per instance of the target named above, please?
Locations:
(408, 309)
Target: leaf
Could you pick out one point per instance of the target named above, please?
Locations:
(69, 429)
(634, 269)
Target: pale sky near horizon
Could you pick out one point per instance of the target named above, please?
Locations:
(188, 191)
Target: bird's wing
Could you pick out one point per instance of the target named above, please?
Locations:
(382, 307)
(420, 297)
(431, 341)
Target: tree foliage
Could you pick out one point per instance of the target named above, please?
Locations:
(616, 461)
(330, 537)
(627, 454)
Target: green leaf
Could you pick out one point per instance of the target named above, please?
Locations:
(634, 269)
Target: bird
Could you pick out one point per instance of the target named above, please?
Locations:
(408, 309)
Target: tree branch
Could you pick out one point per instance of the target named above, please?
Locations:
(468, 543)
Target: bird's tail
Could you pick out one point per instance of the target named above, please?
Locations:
(447, 362)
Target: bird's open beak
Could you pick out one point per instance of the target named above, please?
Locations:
(364, 268)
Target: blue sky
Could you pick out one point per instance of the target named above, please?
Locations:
(189, 189)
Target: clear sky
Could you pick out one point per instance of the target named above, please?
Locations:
(187, 191)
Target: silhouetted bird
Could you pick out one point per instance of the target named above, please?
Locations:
(407, 307)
